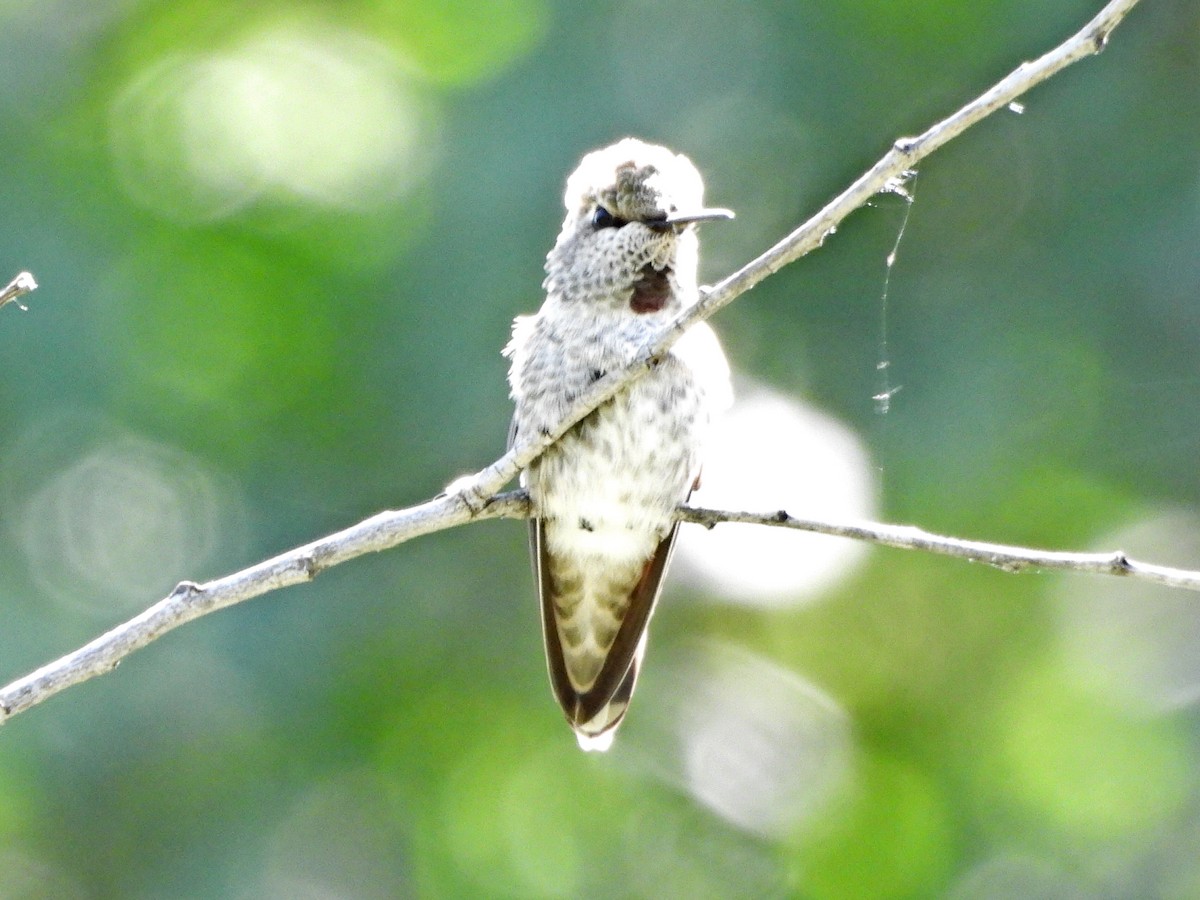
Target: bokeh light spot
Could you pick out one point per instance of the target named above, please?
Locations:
(1137, 642)
(293, 113)
(756, 744)
(771, 452)
(118, 523)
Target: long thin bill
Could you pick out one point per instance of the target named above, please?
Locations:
(699, 215)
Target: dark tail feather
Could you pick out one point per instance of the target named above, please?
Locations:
(596, 713)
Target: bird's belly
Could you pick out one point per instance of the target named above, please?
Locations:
(609, 488)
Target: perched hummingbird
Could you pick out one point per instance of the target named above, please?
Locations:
(603, 498)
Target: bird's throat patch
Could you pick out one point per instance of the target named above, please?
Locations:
(651, 291)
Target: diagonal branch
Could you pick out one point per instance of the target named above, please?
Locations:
(895, 164)
(190, 600)
(475, 498)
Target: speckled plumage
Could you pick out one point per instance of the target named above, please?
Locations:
(604, 495)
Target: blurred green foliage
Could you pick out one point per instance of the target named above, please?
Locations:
(284, 242)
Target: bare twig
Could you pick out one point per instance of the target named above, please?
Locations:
(20, 285)
(473, 498)
(905, 153)
(190, 600)
(388, 529)
(1002, 556)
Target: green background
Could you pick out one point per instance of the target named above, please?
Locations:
(280, 246)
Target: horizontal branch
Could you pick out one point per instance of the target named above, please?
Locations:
(1002, 556)
(475, 497)
(388, 529)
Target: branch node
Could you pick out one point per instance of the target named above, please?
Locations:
(473, 501)
(466, 491)
(186, 591)
(309, 566)
(782, 516)
(1121, 564)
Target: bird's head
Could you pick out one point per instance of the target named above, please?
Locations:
(630, 212)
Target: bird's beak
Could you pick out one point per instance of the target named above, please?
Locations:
(677, 221)
(698, 215)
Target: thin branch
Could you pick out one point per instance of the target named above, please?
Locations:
(388, 529)
(474, 498)
(895, 164)
(1002, 556)
(190, 600)
(20, 285)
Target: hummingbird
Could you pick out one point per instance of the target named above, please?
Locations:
(603, 498)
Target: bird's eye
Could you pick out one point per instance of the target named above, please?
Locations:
(602, 218)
